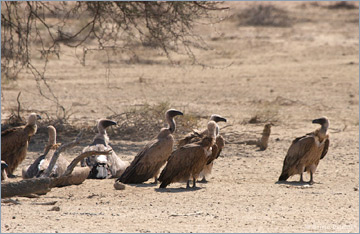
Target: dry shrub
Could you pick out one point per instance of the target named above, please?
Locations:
(266, 112)
(144, 122)
(264, 15)
(342, 5)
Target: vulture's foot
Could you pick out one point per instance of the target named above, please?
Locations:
(203, 180)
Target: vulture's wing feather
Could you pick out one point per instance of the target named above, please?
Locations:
(299, 147)
(326, 147)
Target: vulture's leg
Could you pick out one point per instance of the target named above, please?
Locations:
(194, 182)
(188, 184)
(155, 180)
(203, 180)
(311, 178)
(301, 178)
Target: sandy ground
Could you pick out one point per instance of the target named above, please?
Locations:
(289, 75)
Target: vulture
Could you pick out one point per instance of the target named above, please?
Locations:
(42, 162)
(15, 141)
(305, 152)
(153, 156)
(103, 166)
(3, 174)
(189, 160)
(219, 144)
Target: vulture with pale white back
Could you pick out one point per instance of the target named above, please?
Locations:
(103, 166)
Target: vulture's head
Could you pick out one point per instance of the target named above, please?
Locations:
(172, 113)
(32, 118)
(102, 124)
(217, 118)
(323, 121)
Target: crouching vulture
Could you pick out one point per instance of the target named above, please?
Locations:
(153, 156)
(305, 152)
(15, 141)
(103, 166)
(189, 160)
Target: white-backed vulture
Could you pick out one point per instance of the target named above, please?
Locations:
(219, 144)
(103, 166)
(305, 152)
(153, 156)
(189, 160)
(42, 162)
(3, 173)
(15, 141)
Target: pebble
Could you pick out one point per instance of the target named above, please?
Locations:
(119, 186)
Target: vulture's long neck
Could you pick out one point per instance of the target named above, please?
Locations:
(172, 125)
(322, 131)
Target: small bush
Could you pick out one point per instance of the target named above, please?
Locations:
(264, 15)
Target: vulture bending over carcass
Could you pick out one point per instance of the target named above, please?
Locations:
(38, 167)
(103, 166)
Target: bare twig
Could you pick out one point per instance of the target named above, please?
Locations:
(18, 101)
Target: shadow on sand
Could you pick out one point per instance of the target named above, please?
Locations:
(293, 183)
(176, 190)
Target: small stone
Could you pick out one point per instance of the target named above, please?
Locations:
(119, 186)
(13, 217)
(55, 208)
(356, 188)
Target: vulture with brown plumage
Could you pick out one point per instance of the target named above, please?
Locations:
(15, 141)
(189, 160)
(305, 152)
(153, 156)
(38, 167)
(103, 166)
(218, 146)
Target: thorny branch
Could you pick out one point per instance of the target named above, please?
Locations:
(40, 29)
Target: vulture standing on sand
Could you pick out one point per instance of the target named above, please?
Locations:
(42, 162)
(103, 166)
(153, 156)
(305, 152)
(189, 160)
(219, 144)
(15, 141)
